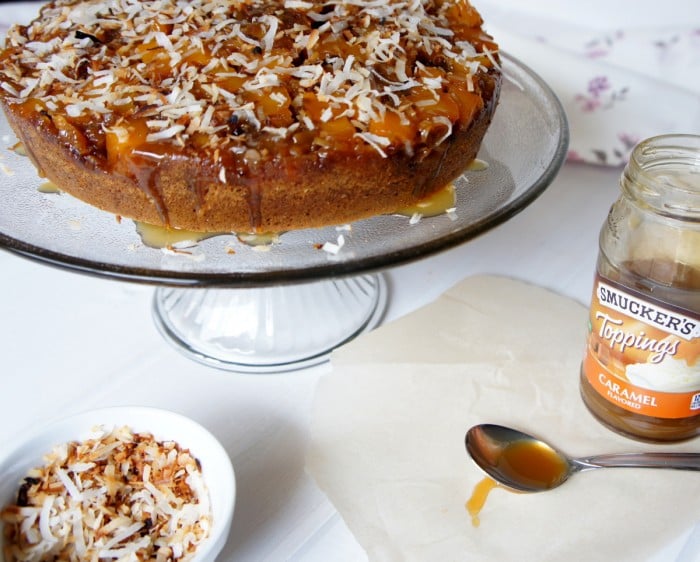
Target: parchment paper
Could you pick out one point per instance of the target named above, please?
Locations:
(388, 430)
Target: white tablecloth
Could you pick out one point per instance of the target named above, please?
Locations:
(72, 342)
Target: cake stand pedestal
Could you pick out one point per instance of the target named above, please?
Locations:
(269, 329)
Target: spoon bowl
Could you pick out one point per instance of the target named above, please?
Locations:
(524, 463)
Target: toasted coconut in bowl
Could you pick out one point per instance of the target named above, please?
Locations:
(117, 483)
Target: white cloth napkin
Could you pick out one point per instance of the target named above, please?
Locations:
(623, 71)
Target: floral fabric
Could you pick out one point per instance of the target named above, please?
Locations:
(623, 74)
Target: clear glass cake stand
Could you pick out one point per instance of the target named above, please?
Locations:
(288, 304)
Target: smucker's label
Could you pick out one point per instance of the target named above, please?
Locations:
(643, 355)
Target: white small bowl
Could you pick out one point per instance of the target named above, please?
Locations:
(217, 470)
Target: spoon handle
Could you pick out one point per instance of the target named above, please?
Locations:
(678, 461)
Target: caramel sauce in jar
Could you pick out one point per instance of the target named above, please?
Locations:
(641, 371)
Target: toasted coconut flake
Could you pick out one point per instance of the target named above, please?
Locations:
(334, 248)
(375, 141)
(118, 495)
(442, 120)
(165, 134)
(45, 61)
(298, 5)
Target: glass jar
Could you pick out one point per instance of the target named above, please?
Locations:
(641, 372)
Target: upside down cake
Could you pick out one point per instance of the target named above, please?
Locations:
(250, 115)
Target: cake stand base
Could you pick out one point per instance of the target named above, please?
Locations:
(269, 329)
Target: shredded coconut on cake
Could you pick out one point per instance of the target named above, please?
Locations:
(172, 60)
(118, 495)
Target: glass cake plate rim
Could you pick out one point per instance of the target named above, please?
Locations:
(521, 84)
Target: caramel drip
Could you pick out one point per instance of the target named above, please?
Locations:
(524, 461)
(254, 205)
(478, 498)
(199, 187)
(142, 168)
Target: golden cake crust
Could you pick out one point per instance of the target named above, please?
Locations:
(310, 157)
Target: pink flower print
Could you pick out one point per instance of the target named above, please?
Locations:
(694, 36)
(597, 53)
(599, 95)
(574, 156)
(598, 85)
(628, 141)
(588, 104)
(665, 48)
(603, 45)
(611, 156)
(591, 101)
(667, 43)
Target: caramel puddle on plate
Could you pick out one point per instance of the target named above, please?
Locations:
(261, 239)
(443, 200)
(48, 187)
(19, 149)
(529, 462)
(436, 204)
(477, 165)
(160, 237)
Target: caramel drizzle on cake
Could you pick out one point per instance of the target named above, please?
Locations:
(241, 76)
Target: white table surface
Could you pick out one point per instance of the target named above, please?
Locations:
(72, 342)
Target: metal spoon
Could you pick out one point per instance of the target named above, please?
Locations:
(524, 463)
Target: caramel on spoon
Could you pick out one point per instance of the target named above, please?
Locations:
(522, 462)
